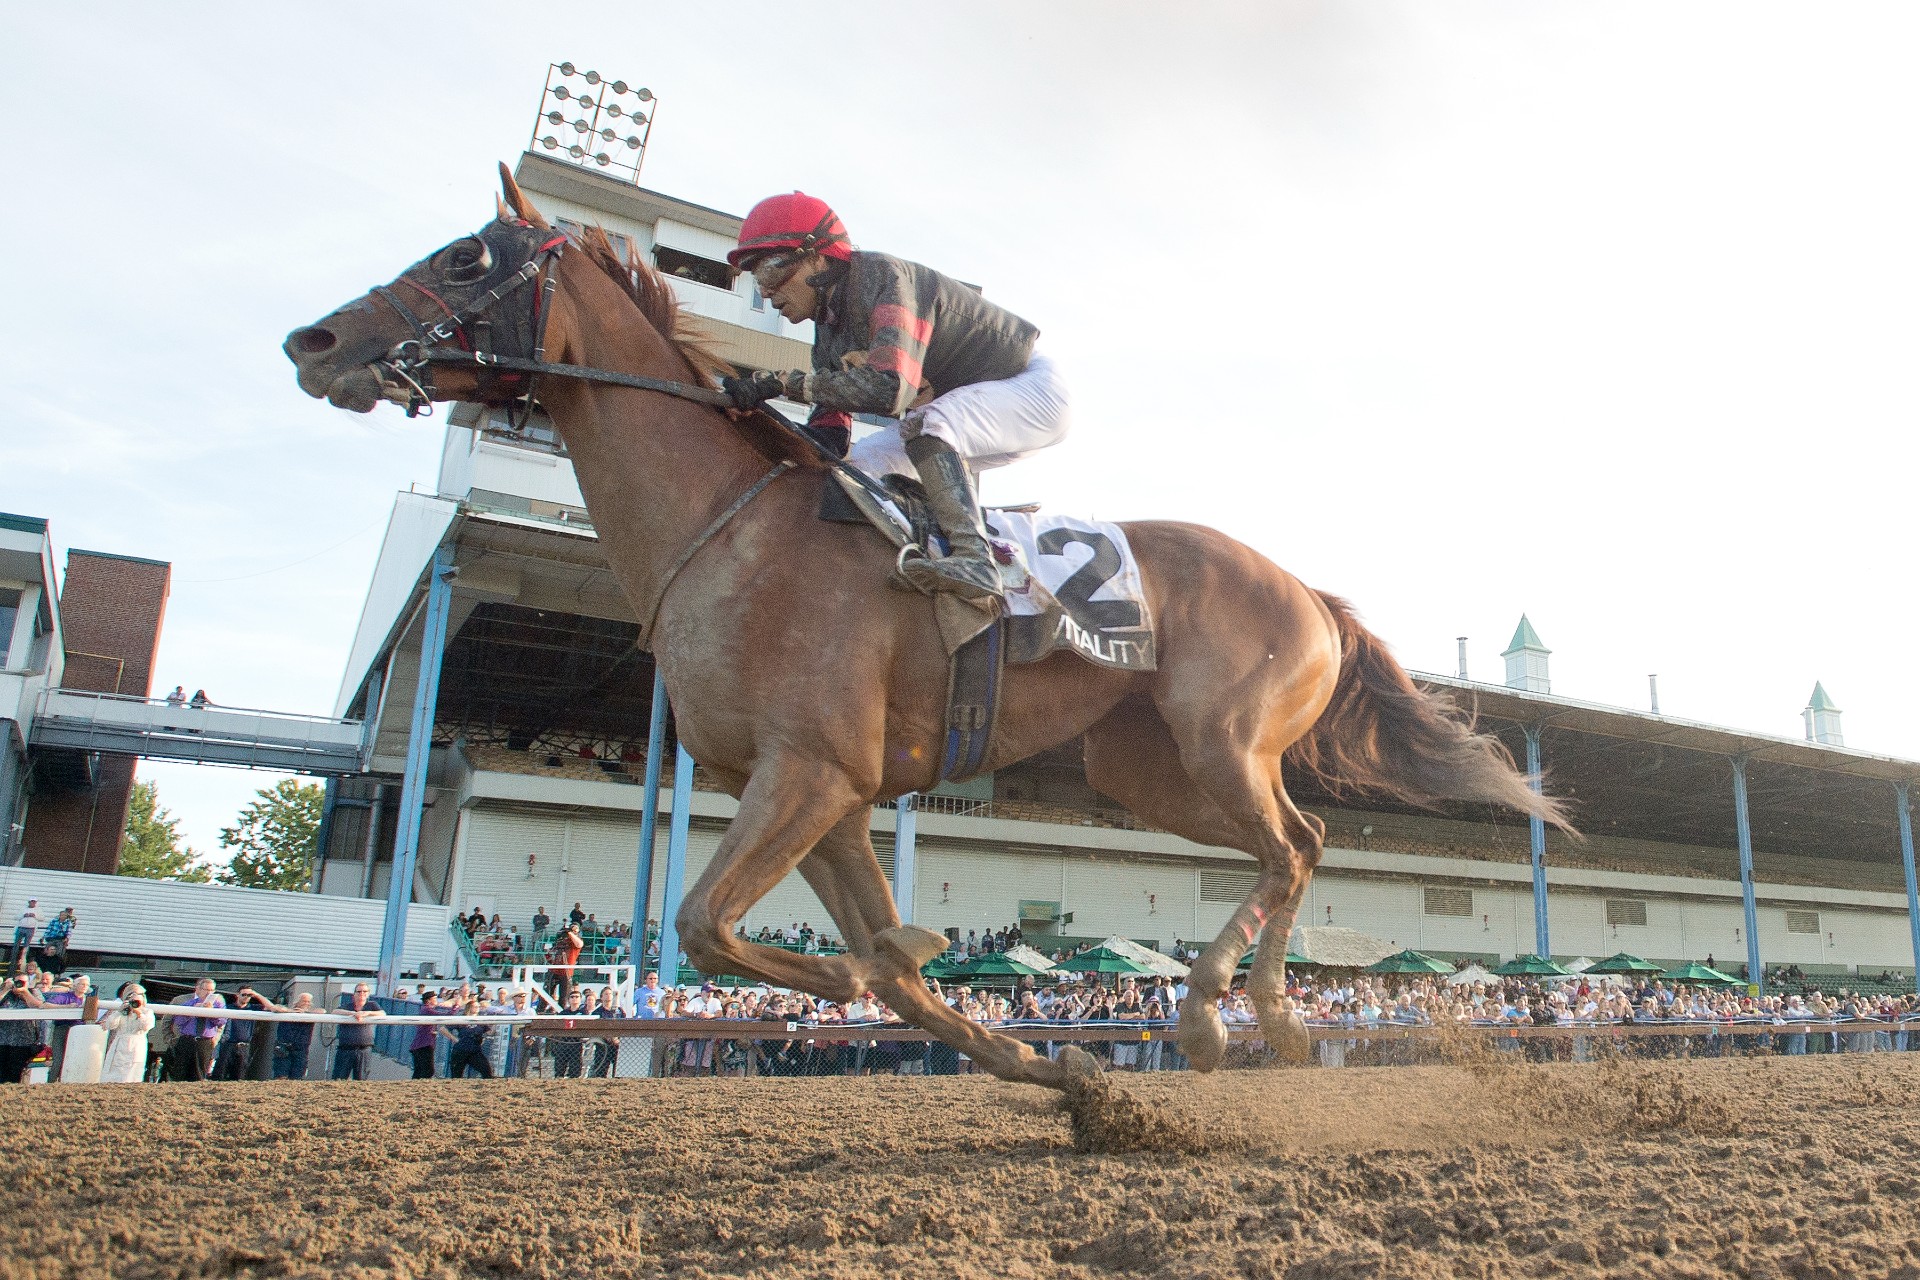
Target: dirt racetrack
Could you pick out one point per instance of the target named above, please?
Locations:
(1793, 1167)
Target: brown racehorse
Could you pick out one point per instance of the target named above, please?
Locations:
(812, 691)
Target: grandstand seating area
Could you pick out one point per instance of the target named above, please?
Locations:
(1387, 833)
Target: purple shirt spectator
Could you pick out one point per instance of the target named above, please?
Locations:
(202, 1028)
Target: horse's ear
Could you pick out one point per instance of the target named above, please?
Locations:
(500, 207)
(522, 207)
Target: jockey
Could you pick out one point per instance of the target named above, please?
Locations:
(957, 375)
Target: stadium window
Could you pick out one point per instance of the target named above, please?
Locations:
(691, 266)
(1627, 911)
(1803, 922)
(1449, 902)
(1227, 886)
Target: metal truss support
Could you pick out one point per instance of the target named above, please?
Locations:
(1744, 830)
(413, 787)
(676, 886)
(1537, 838)
(649, 816)
(905, 822)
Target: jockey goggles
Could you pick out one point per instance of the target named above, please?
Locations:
(772, 270)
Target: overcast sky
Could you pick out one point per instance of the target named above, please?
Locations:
(1604, 313)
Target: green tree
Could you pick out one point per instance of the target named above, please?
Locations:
(275, 840)
(151, 848)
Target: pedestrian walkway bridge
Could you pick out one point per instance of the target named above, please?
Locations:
(152, 728)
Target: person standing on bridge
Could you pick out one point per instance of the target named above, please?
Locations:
(957, 375)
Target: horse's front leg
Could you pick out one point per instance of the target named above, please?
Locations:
(786, 807)
(847, 878)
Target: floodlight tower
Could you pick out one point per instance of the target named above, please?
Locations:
(594, 122)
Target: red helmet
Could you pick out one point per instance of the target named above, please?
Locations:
(797, 221)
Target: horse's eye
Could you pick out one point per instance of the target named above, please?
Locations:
(468, 260)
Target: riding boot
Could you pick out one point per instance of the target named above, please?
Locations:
(968, 568)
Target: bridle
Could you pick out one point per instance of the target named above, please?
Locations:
(464, 337)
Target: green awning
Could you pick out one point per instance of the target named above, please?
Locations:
(1700, 975)
(995, 965)
(1101, 960)
(1624, 963)
(1531, 967)
(1409, 961)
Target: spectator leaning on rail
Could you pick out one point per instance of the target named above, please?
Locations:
(295, 1042)
(65, 992)
(198, 1039)
(469, 1047)
(958, 375)
(421, 1046)
(353, 1046)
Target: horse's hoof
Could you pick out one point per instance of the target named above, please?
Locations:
(1282, 1027)
(918, 945)
(1202, 1035)
(1294, 1043)
(1077, 1063)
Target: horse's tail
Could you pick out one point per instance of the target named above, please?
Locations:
(1383, 735)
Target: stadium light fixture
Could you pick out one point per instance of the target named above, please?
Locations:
(593, 107)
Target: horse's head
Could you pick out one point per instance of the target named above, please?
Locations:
(477, 296)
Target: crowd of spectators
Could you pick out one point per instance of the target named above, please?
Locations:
(817, 1037)
(501, 944)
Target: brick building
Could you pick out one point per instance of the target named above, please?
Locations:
(106, 620)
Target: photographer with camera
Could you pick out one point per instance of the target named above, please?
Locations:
(127, 1028)
(19, 1037)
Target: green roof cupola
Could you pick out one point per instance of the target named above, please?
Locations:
(1822, 718)
(1527, 660)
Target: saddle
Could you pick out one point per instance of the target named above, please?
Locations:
(975, 639)
(1067, 583)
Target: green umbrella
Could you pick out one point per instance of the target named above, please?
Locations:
(1700, 975)
(995, 965)
(1246, 961)
(1624, 963)
(1531, 967)
(1409, 961)
(1102, 960)
(939, 967)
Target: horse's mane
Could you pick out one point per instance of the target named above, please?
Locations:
(655, 298)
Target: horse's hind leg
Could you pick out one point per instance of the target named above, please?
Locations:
(1131, 755)
(1280, 1023)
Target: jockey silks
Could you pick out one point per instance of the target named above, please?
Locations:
(888, 328)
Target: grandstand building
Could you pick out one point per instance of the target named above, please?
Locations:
(495, 651)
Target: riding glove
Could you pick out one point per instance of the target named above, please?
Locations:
(754, 389)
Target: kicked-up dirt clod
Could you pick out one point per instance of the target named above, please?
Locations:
(1791, 1167)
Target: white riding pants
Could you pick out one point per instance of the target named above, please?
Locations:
(988, 423)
